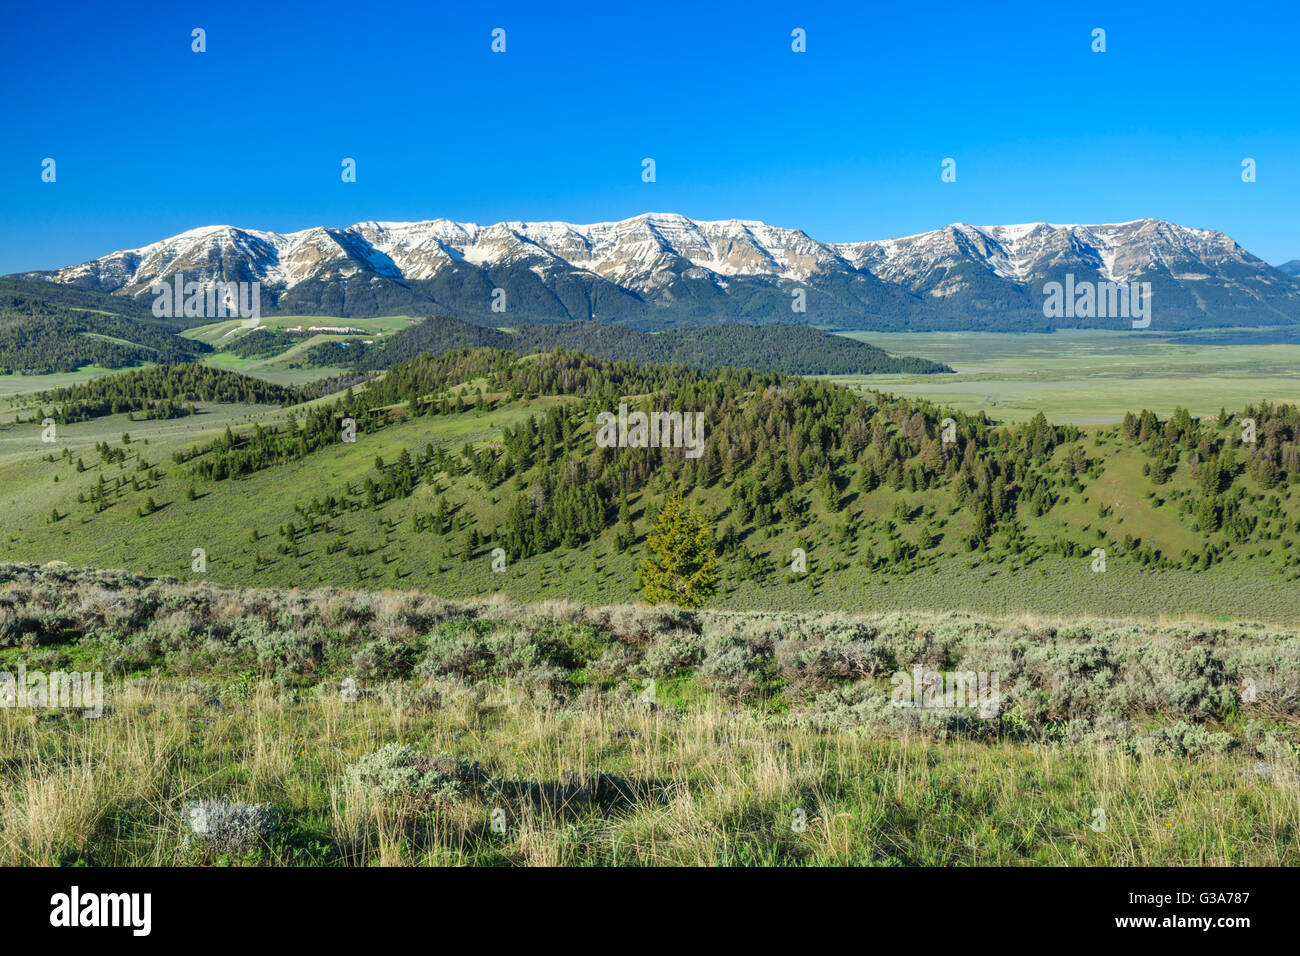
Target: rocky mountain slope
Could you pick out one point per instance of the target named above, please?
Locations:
(664, 270)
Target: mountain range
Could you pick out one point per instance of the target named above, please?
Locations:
(658, 271)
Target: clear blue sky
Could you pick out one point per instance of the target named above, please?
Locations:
(844, 141)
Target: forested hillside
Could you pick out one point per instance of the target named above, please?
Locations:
(792, 349)
(18, 293)
(435, 335)
(454, 456)
(43, 333)
(161, 392)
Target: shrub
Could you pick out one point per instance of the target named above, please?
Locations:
(384, 658)
(225, 827)
(1183, 740)
(398, 773)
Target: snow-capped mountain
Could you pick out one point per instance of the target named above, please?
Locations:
(656, 270)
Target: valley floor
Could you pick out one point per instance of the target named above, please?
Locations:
(1087, 377)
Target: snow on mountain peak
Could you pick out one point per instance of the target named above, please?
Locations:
(638, 252)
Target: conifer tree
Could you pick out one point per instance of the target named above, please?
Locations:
(682, 565)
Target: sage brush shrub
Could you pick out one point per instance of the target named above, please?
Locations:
(1081, 682)
(460, 648)
(399, 775)
(674, 652)
(220, 827)
(1183, 740)
(383, 658)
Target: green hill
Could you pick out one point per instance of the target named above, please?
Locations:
(458, 455)
(48, 328)
(793, 349)
(160, 391)
(16, 291)
(435, 335)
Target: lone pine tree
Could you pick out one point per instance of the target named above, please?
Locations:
(682, 565)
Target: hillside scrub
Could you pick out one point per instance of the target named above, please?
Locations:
(331, 727)
(1090, 680)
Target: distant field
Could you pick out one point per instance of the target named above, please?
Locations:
(1087, 377)
(18, 384)
(1074, 377)
(218, 333)
(275, 368)
(16, 391)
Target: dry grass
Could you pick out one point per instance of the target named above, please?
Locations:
(711, 787)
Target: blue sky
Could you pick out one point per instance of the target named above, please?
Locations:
(844, 141)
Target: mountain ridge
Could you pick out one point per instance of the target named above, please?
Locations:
(660, 270)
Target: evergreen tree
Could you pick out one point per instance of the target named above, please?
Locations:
(625, 536)
(682, 565)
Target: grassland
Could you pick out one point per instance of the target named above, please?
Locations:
(285, 368)
(1090, 377)
(15, 386)
(218, 334)
(1075, 376)
(485, 730)
(403, 729)
(221, 519)
(238, 524)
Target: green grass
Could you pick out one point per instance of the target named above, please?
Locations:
(278, 368)
(1086, 377)
(275, 368)
(218, 333)
(237, 695)
(110, 793)
(16, 386)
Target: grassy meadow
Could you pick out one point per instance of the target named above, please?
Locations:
(286, 367)
(402, 729)
(1090, 377)
(356, 687)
